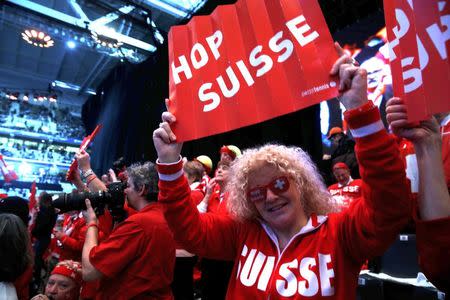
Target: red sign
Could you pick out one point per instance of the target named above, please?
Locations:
(247, 63)
(419, 34)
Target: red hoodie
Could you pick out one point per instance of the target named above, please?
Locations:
(323, 260)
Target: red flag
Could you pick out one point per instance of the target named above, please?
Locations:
(84, 144)
(419, 43)
(9, 175)
(247, 63)
(32, 200)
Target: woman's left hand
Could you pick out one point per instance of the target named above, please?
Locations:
(353, 80)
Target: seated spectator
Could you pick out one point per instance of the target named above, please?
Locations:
(346, 189)
(281, 235)
(14, 252)
(433, 211)
(64, 282)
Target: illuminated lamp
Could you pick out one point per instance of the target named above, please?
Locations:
(53, 98)
(37, 38)
(105, 41)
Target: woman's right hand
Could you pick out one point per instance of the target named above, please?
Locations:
(165, 140)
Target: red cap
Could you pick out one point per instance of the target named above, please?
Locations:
(333, 131)
(70, 269)
(340, 165)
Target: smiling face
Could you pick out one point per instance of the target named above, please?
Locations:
(282, 212)
(342, 175)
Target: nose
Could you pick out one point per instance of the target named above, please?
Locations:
(271, 196)
(52, 289)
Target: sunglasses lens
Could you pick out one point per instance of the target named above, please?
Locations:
(279, 185)
(257, 194)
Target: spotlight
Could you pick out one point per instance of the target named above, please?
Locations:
(12, 96)
(105, 41)
(37, 38)
(53, 98)
(71, 44)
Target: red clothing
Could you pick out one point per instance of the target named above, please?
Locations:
(197, 192)
(445, 133)
(137, 259)
(22, 284)
(433, 247)
(217, 203)
(329, 249)
(72, 243)
(344, 195)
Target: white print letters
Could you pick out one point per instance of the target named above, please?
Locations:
(412, 76)
(301, 275)
(228, 84)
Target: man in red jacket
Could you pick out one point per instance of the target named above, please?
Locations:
(346, 189)
(138, 257)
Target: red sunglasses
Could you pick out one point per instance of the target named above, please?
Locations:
(278, 186)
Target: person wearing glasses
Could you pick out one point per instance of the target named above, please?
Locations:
(281, 231)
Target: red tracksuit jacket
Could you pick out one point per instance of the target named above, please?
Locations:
(323, 260)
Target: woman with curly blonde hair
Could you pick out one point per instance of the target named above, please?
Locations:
(292, 161)
(281, 233)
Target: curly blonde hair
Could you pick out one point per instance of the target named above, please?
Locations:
(292, 161)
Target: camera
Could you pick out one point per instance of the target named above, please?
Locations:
(113, 197)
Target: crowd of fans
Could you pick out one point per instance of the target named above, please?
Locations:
(51, 121)
(41, 151)
(264, 226)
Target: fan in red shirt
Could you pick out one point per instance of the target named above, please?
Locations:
(432, 217)
(282, 235)
(347, 189)
(138, 257)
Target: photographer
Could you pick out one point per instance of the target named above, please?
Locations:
(138, 257)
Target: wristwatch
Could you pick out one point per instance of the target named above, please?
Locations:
(87, 173)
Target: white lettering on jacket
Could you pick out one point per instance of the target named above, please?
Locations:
(298, 276)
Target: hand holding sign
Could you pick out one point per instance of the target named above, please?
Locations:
(353, 94)
(165, 140)
(353, 86)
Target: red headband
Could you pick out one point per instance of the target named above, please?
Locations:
(226, 150)
(340, 165)
(71, 270)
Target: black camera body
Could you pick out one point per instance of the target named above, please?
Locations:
(113, 198)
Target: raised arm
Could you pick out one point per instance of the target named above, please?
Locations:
(207, 235)
(433, 215)
(92, 181)
(371, 223)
